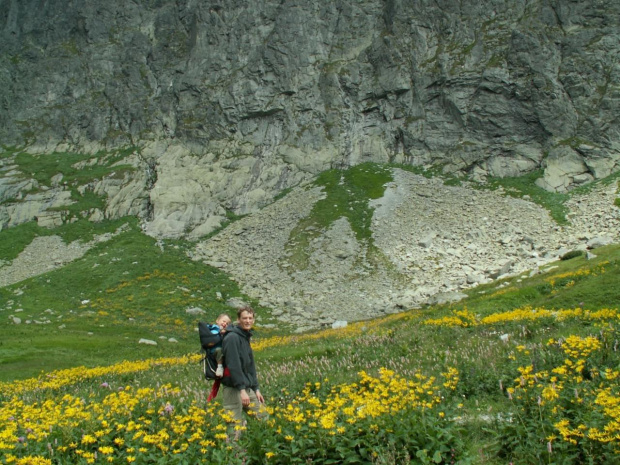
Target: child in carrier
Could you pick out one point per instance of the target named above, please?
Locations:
(221, 323)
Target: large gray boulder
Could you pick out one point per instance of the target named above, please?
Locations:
(564, 167)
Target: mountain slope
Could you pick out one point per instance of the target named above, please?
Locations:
(424, 242)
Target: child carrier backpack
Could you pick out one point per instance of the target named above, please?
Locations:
(208, 340)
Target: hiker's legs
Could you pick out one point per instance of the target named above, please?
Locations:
(219, 371)
(231, 401)
(231, 398)
(256, 408)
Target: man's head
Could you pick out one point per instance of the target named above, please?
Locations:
(245, 318)
(223, 321)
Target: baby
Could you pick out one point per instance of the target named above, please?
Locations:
(221, 323)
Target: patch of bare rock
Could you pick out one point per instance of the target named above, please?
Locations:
(47, 253)
(435, 241)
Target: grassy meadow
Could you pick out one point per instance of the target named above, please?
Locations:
(523, 371)
(94, 311)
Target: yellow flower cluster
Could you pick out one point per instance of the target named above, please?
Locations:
(369, 398)
(609, 433)
(122, 425)
(61, 378)
(565, 388)
(350, 330)
(464, 318)
(520, 314)
(452, 378)
(599, 269)
(118, 426)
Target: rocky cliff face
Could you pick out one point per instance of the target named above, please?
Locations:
(231, 102)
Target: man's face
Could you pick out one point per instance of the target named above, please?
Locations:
(246, 320)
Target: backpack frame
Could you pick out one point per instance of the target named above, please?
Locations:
(207, 341)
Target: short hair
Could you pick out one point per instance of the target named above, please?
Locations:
(223, 315)
(246, 308)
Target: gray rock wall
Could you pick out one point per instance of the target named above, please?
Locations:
(250, 97)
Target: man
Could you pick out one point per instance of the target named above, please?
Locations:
(240, 392)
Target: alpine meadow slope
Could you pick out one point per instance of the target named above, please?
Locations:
(421, 199)
(524, 370)
(377, 243)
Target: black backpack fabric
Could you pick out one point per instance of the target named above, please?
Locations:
(207, 341)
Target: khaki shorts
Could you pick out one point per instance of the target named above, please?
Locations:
(231, 399)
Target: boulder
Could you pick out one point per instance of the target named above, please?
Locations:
(564, 169)
(599, 241)
(446, 298)
(236, 302)
(50, 219)
(195, 311)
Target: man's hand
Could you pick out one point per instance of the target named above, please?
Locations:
(260, 397)
(245, 398)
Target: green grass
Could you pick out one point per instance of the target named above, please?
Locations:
(7, 152)
(347, 193)
(83, 203)
(14, 240)
(133, 289)
(42, 167)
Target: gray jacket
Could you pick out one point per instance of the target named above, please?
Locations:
(239, 359)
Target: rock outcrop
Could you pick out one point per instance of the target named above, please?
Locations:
(232, 102)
